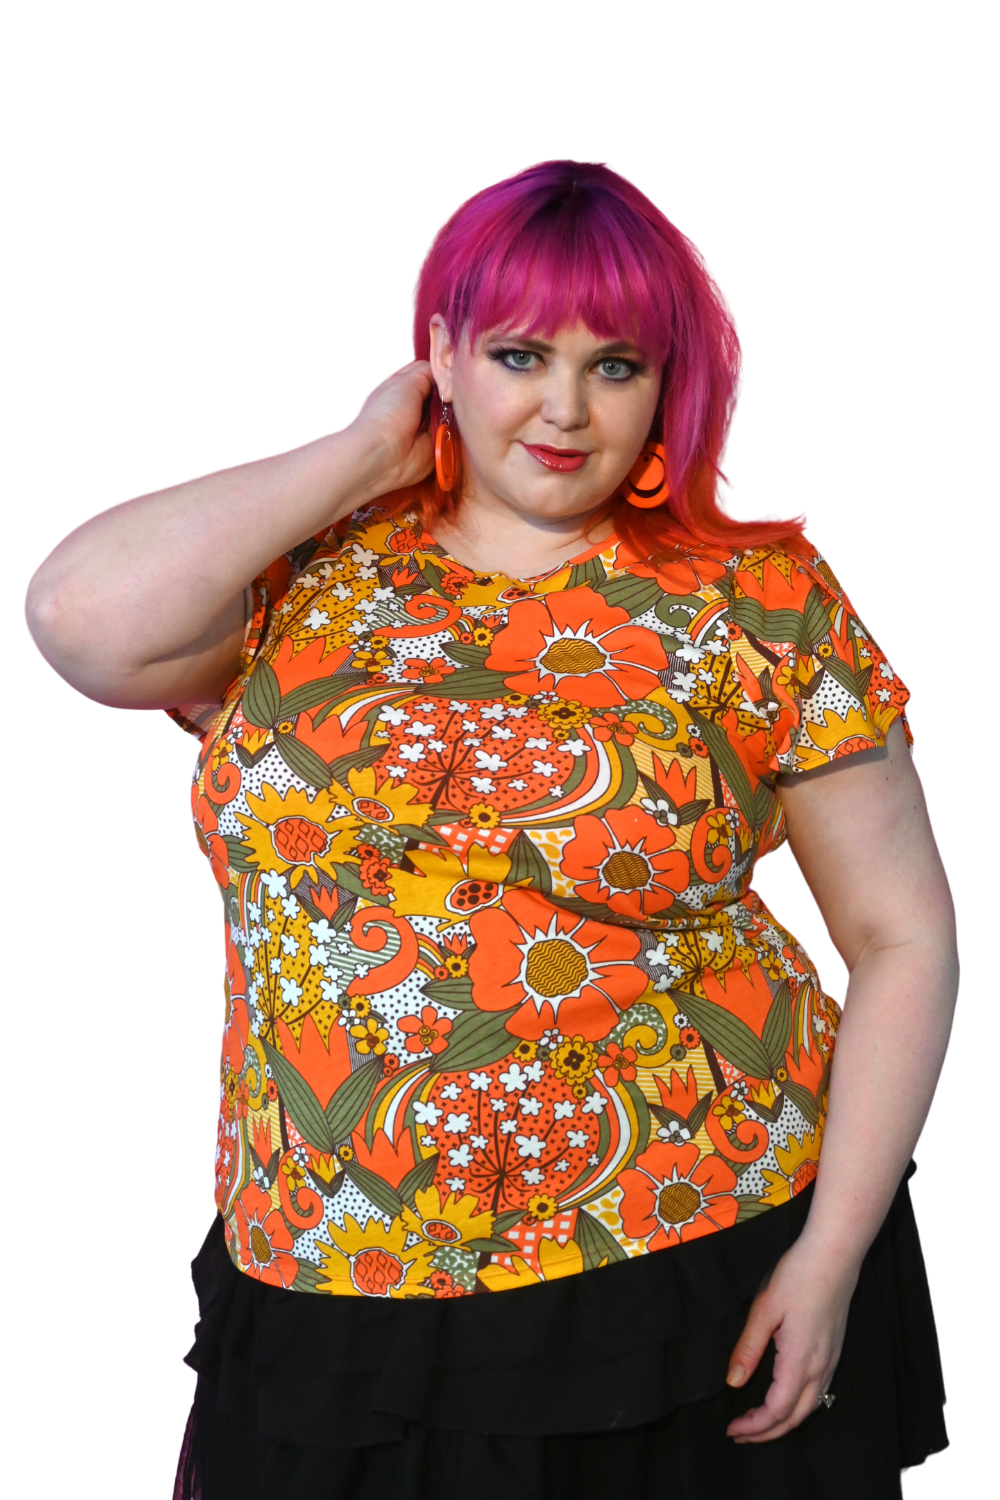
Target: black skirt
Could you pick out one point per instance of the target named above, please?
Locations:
(605, 1384)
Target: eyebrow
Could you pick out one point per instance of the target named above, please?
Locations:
(620, 347)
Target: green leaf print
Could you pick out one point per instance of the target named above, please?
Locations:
(841, 672)
(815, 617)
(307, 695)
(729, 764)
(631, 593)
(804, 1101)
(355, 760)
(750, 1206)
(454, 992)
(304, 1109)
(777, 1033)
(528, 864)
(262, 697)
(350, 1100)
(731, 1037)
(772, 624)
(422, 835)
(307, 765)
(476, 1039)
(468, 655)
(467, 682)
(496, 1245)
(596, 1241)
(507, 1220)
(375, 1188)
(238, 861)
(417, 1179)
(592, 572)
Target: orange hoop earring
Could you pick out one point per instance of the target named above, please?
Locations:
(646, 483)
(446, 458)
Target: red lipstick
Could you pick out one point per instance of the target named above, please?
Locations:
(561, 460)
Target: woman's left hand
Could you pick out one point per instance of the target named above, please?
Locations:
(804, 1309)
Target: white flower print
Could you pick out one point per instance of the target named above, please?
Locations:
(529, 1145)
(426, 1113)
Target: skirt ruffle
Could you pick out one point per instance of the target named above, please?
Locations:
(593, 1385)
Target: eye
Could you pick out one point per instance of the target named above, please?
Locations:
(514, 359)
(616, 369)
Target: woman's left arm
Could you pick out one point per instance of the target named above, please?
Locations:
(863, 841)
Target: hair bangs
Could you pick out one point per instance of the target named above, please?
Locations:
(568, 267)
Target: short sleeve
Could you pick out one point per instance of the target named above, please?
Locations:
(834, 690)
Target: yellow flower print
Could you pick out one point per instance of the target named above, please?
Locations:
(835, 730)
(374, 1261)
(385, 802)
(799, 1163)
(483, 815)
(447, 888)
(563, 715)
(555, 1260)
(370, 1038)
(456, 1221)
(574, 1059)
(293, 835)
(457, 967)
(543, 1207)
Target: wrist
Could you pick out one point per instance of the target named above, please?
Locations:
(365, 461)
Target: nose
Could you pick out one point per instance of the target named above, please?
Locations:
(564, 403)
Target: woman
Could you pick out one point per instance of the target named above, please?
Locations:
(488, 755)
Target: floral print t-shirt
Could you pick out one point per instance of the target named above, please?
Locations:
(501, 1005)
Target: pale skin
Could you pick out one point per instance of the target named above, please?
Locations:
(142, 607)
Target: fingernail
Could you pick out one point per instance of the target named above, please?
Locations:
(736, 1375)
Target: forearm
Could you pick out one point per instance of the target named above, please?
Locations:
(148, 595)
(889, 1051)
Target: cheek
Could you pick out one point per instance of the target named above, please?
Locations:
(493, 409)
(622, 420)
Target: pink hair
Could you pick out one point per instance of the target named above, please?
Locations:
(570, 241)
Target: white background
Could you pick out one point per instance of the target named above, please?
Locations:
(215, 218)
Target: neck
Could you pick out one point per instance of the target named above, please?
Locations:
(498, 539)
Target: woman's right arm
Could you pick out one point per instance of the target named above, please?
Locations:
(142, 606)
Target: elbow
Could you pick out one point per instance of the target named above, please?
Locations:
(50, 616)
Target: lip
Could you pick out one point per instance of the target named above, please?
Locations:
(559, 460)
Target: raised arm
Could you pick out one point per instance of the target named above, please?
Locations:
(142, 606)
(864, 843)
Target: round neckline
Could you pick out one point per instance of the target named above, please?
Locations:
(612, 540)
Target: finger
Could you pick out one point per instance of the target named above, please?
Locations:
(806, 1404)
(761, 1322)
(791, 1380)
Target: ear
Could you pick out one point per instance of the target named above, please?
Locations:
(442, 356)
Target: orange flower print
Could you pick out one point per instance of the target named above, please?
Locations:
(559, 970)
(435, 670)
(674, 1194)
(426, 1032)
(611, 727)
(264, 1239)
(618, 1064)
(625, 861)
(578, 646)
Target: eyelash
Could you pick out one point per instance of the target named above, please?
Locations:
(501, 356)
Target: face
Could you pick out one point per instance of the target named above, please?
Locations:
(549, 427)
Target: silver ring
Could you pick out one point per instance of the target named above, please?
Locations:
(827, 1399)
